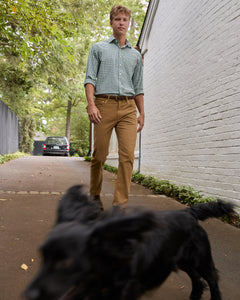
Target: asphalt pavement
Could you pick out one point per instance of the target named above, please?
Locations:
(30, 188)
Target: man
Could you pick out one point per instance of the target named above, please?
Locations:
(114, 79)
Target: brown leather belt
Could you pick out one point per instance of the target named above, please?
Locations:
(115, 97)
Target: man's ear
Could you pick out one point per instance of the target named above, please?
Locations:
(121, 233)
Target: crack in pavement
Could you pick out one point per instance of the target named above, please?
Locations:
(31, 192)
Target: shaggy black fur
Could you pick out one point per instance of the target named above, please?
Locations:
(76, 205)
(120, 257)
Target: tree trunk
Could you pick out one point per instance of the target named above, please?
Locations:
(69, 108)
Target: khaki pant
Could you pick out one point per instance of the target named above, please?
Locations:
(121, 115)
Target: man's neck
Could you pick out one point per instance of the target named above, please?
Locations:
(121, 39)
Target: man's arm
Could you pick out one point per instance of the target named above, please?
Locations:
(89, 83)
(93, 112)
(140, 106)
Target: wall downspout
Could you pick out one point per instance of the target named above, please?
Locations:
(139, 152)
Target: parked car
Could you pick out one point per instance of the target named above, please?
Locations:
(56, 145)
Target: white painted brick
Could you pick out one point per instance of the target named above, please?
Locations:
(192, 96)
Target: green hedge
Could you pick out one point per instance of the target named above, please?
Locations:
(183, 194)
(7, 157)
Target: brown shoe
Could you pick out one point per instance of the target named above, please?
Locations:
(98, 199)
(117, 209)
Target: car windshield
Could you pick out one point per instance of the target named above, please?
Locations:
(56, 140)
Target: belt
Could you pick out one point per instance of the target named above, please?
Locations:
(115, 97)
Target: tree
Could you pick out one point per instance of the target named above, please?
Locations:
(43, 53)
(30, 33)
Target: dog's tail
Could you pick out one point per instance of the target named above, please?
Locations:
(214, 209)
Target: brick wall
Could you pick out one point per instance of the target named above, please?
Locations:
(192, 96)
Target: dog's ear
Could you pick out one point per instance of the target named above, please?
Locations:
(121, 233)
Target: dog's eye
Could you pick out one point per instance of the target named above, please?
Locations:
(64, 264)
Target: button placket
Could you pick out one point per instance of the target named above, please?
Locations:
(120, 71)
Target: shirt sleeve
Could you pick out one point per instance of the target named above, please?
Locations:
(138, 77)
(92, 66)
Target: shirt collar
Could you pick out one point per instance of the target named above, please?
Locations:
(112, 39)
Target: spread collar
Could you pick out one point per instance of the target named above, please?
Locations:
(112, 39)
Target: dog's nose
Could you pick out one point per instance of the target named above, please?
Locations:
(32, 294)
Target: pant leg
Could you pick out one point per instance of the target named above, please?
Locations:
(126, 131)
(102, 135)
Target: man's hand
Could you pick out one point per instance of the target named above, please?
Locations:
(94, 114)
(140, 105)
(140, 121)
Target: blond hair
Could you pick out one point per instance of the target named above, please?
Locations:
(119, 9)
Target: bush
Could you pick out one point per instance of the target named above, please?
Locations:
(183, 194)
(7, 157)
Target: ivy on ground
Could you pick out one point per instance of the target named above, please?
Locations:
(184, 194)
(7, 157)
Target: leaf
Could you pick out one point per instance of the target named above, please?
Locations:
(24, 267)
(14, 9)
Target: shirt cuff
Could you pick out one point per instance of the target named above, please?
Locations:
(89, 81)
(138, 92)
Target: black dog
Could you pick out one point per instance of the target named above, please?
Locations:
(120, 257)
(76, 205)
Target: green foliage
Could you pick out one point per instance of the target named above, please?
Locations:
(233, 220)
(44, 47)
(110, 168)
(27, 130)
(185, 195)
(105, 167)
(80, 129)
(87, 158)
(7, 157)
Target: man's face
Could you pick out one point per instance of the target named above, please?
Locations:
(120, 24)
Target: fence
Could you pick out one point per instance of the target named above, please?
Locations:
(9, 130)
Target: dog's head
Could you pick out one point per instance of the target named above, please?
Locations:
(60, 262)
(91, 258)
(76, 205)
